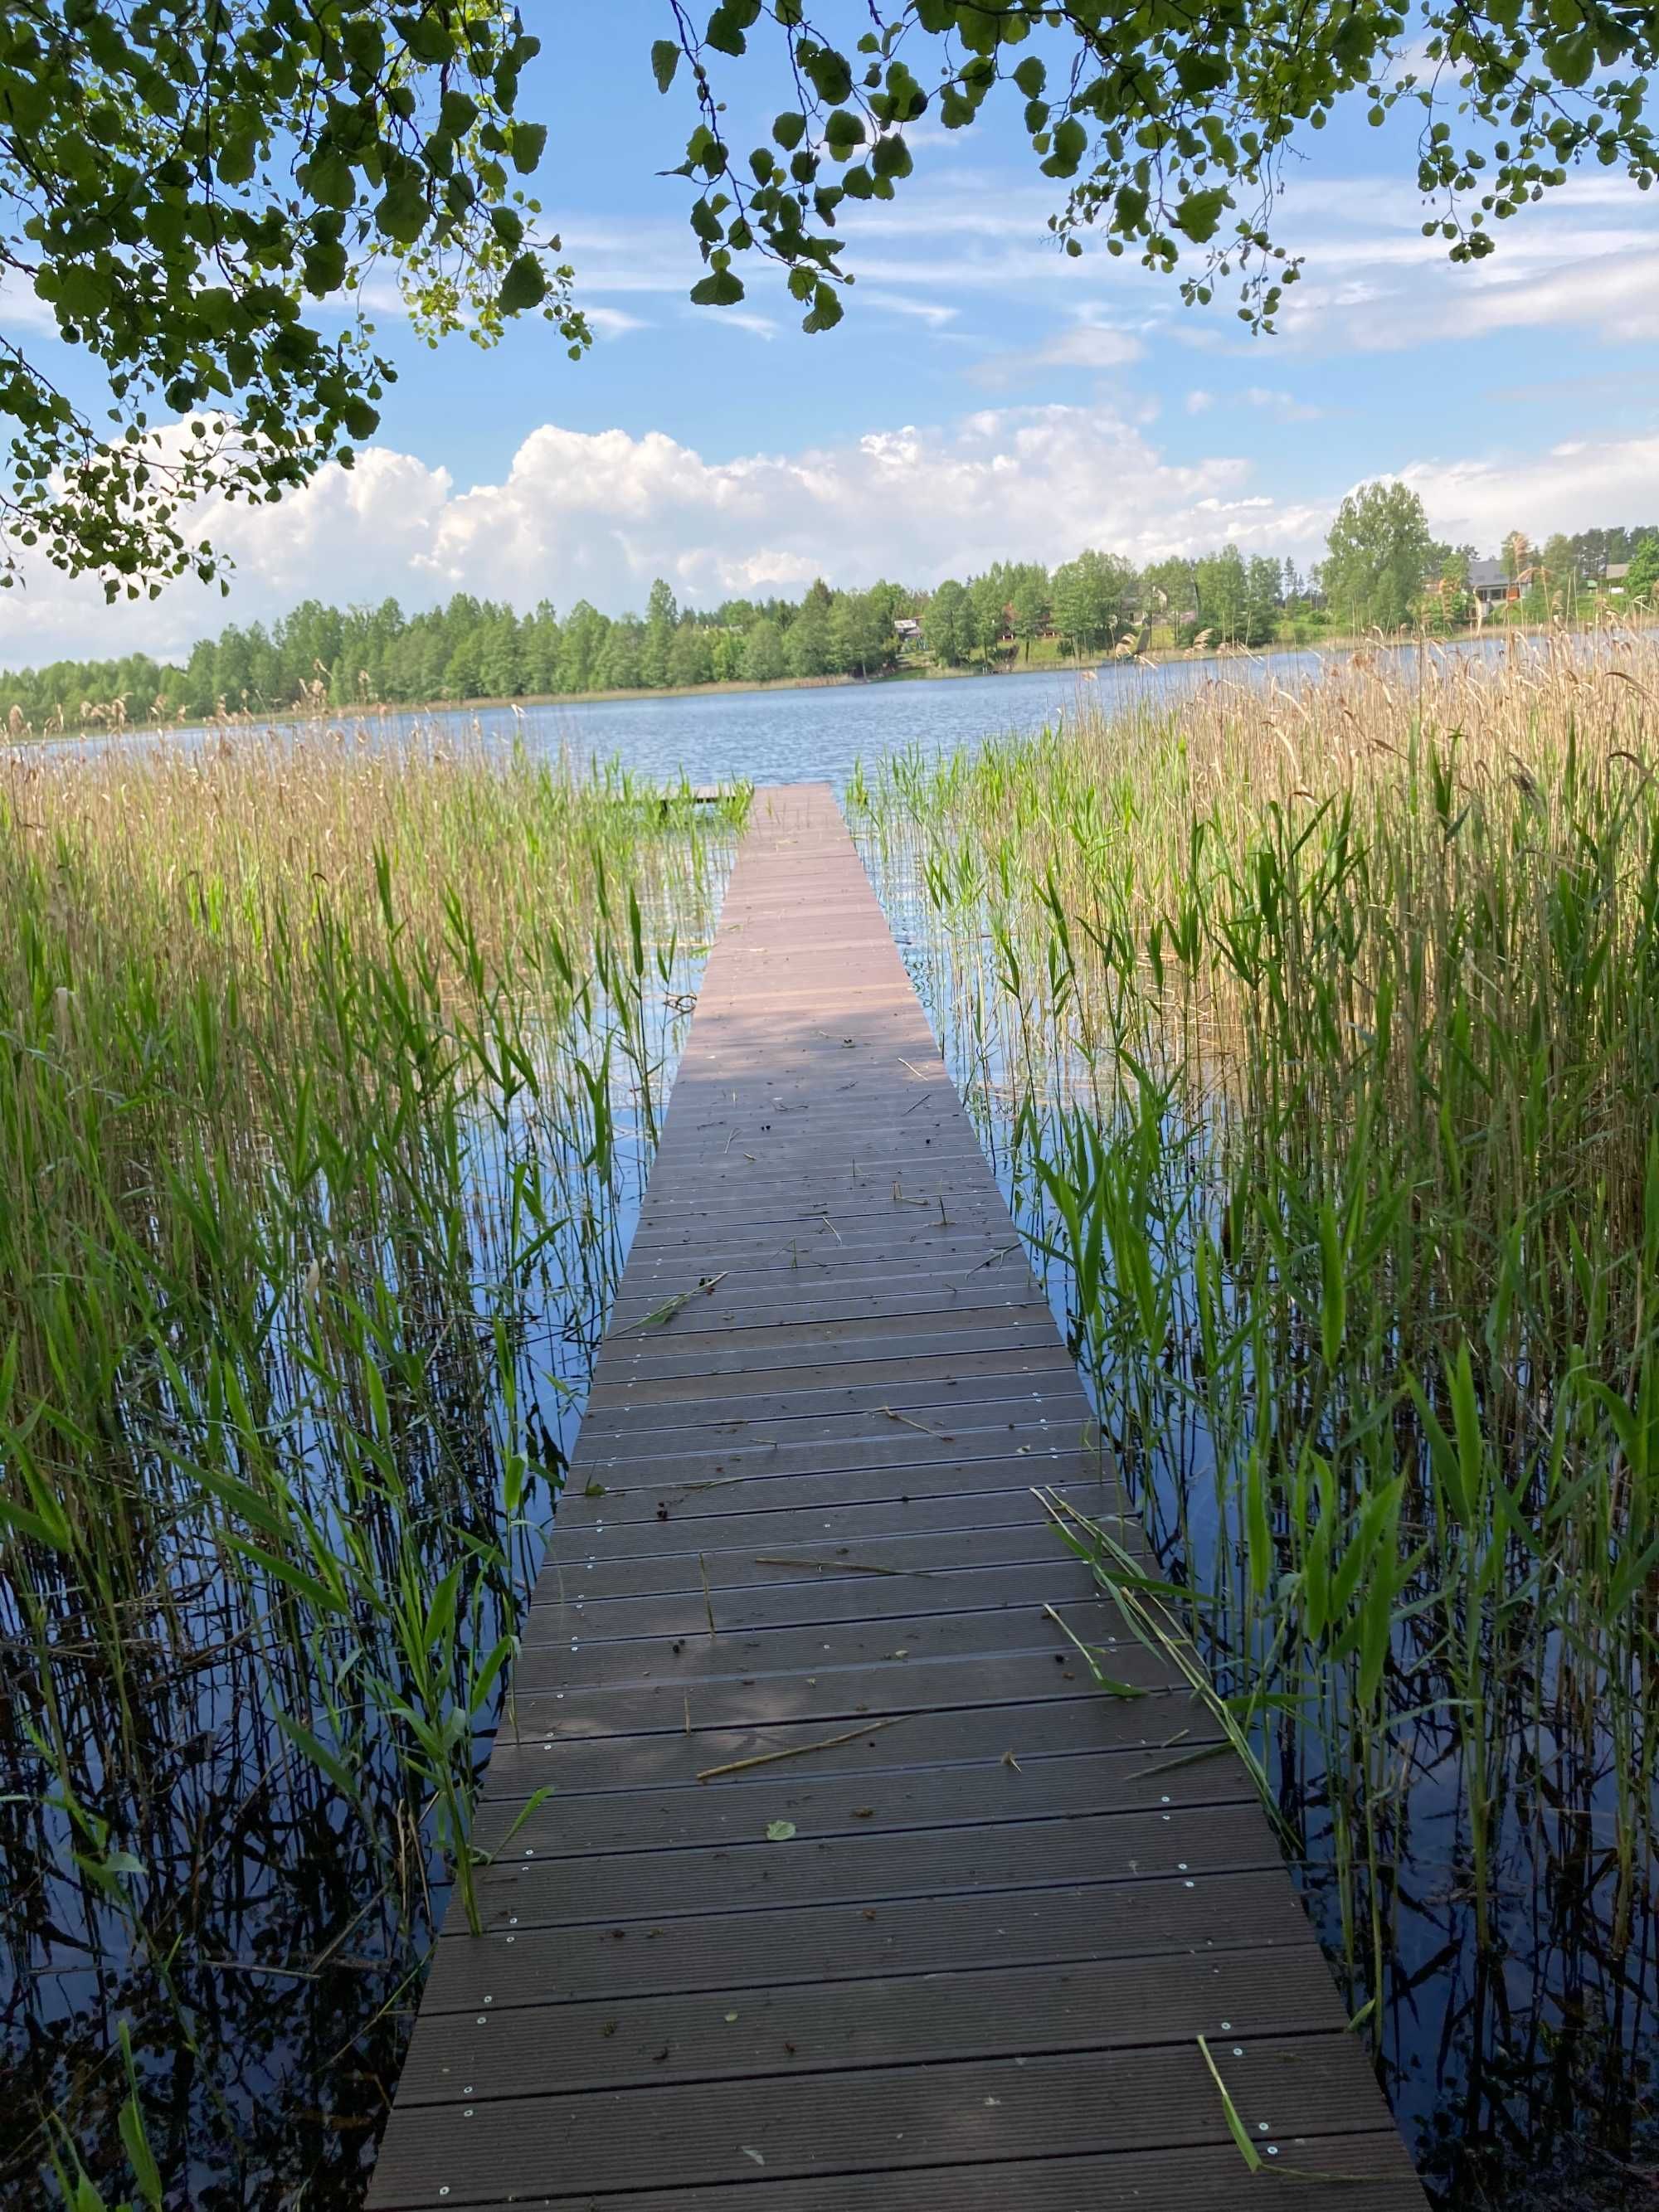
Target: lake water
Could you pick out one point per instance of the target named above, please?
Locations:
(787, 736)
(790, 736)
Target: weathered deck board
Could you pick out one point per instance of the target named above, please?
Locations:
(975, 1975)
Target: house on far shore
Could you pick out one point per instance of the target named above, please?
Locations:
(1614, 574)
(1493, 584)
(906, 629)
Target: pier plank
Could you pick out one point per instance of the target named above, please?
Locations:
(854, 1893)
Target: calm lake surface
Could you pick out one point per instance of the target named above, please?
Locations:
(789, 736)
(794, 736)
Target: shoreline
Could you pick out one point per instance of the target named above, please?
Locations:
(1084, 670)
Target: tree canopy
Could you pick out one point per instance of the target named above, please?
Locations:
(1382, 569)
(1378, 552)
(1166, 129)
(1642, 580)
(184, 186)
(179, 182)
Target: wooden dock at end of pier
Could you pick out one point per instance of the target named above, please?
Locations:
(854, 1892)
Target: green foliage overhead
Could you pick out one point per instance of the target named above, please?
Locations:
(201, 194)
(181, 183)
(1165, 129)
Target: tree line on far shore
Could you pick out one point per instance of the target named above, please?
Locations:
(1383, 570)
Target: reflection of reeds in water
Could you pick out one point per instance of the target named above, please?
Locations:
(1319, 1037)
(327, 1082)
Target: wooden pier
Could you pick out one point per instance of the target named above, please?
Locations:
(957, 1956)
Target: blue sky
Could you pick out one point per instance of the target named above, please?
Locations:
(985, 395)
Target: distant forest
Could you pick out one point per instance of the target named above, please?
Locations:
(330, 657)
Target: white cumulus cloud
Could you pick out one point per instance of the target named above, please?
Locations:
(597, 515)
(1479, 501)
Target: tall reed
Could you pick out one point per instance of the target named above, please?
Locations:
(328, 1078)
(1317, 1035)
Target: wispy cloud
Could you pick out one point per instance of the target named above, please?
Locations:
(1283, 406)
(960, 243)
(614, 322)
(743, 319)
(934, 312)
(1620, 393)
(1084, 343)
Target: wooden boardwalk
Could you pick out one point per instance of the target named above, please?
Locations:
(966, 1969)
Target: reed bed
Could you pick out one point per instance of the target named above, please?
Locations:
(329, 1075)
(1317, 1035)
